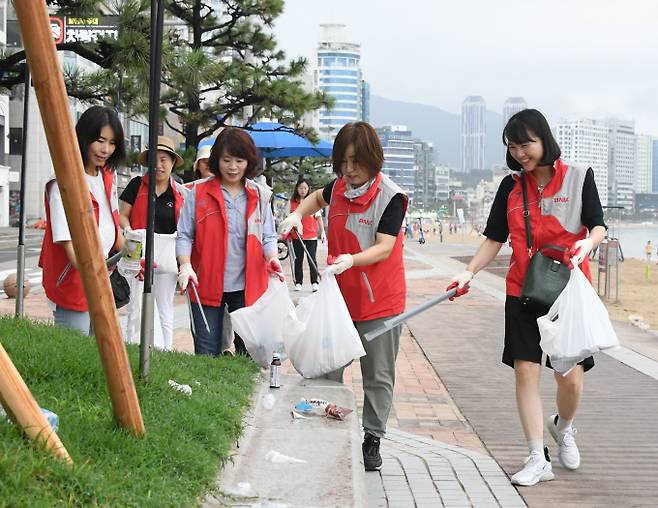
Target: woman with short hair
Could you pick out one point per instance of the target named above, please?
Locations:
(226, 243)
(365, 213)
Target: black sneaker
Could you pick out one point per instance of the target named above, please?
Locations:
(371, 457)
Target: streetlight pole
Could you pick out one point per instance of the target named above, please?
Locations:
(146, 335)
(20, 251)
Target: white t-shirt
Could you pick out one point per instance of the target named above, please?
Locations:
(106, 228)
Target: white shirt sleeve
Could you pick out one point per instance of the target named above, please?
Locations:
(58, 222)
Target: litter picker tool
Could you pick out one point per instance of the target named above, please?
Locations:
(203, 314)
(389, 324)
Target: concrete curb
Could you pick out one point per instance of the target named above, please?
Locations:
(332, 474)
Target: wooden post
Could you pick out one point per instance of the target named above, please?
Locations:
(24, 410)
(53, 104)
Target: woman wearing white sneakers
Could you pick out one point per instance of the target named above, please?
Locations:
(564, 210)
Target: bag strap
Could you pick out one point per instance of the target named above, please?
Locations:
(526, 216)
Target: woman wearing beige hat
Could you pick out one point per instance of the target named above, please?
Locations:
(201, 165)
(133, 202)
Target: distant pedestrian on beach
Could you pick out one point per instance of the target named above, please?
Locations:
(572, 219)
(648, 250)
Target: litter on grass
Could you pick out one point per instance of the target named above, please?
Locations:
(186, 389)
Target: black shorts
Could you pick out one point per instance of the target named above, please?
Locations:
(522, 335)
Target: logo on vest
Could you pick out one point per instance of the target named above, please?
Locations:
(561, 200)
(365, 222)
(257, 221)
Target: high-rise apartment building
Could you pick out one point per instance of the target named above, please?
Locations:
(473, 130)
(585, 142)
(425, 187)
(621, 163)
(512, 106)
(399, 156)
(654, 183)
(338, 73)
(644, 163)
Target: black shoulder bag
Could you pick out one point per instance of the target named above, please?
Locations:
(546, 277)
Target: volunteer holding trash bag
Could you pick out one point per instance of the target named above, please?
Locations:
(365, 215)
(100, 139)
(133, 203)
(226, 243)
(564, 210)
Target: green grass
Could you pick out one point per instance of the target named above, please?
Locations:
(187, 438)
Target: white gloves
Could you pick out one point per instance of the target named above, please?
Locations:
(185, 275)
(294, 220)
(462, 279)
(340, 264)
(581, 249)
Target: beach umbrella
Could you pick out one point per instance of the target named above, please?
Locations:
(277, 141)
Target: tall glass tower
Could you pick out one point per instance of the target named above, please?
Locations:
(339, 74)
(512, 106)
(473, 118)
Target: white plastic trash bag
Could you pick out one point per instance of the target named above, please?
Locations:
(321, 337)
(164, 251)
(260, 325)
(577, 325)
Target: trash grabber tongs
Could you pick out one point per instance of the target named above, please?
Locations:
(401, 318)
(310, 259)
(198, 301)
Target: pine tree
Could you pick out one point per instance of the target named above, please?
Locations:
(216, 67)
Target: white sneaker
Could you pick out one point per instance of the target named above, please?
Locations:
(536, 469)
(568, 451)
(298, 287)
(314, 286)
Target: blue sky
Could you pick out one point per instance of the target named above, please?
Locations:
(568, 58)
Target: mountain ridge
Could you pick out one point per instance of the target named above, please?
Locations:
(440, 127)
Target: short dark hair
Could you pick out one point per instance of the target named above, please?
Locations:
(518, 131)
(88, 129)
(238, 143)
(367, 147)
(295, 193)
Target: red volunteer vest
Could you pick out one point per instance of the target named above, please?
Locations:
(62, 282)
(139, 208)
(378, 290)
(211, 237)
(555, 219)
(309, 224)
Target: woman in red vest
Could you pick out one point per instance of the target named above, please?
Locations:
(226, 243)
(100, 138)
(563, 210)
(133, 202)
(365, 214)
(312, 225)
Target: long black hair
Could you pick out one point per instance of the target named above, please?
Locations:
(88, 130)
(519, 129)
(295, 193)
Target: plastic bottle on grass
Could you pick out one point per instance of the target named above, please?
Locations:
(129, 264)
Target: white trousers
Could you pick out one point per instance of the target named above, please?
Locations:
(164, 288)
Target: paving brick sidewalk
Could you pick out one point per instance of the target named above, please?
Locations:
(616, 422)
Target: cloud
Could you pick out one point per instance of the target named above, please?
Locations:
(569, 58)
